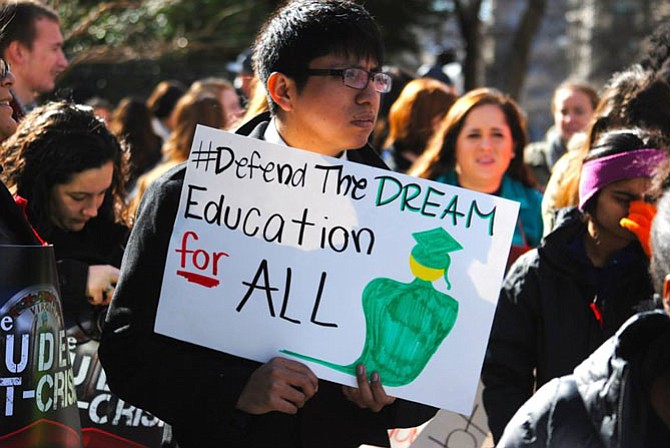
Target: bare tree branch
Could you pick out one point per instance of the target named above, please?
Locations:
(225, 14)
(82, 27)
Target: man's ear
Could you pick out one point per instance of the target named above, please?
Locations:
(281, 89)
(666, 293)
(15, 52)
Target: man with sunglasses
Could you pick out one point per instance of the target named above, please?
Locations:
(320, 62)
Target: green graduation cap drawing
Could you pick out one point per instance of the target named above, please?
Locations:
(432, 251)
(406, 322)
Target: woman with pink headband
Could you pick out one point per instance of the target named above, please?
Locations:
(563, 299)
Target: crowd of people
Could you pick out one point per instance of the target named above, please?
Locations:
(581, 308)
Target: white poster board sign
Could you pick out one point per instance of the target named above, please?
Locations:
(448, 430)
(283, 252)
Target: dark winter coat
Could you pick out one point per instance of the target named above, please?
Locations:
(100, 242)
(542, 156)
(605, 403)
(555, 309)
(196, 389)
(14, 227)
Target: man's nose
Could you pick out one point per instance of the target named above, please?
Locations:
(368, 93)
(62, 60)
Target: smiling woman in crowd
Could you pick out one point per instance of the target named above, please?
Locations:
(479, 146)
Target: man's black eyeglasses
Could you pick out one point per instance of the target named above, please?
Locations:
(356, 78)
(4, 68)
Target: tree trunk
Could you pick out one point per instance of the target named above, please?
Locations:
(519, 51)
(470, 26)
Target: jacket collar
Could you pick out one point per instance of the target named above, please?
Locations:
(609, 380)
(255, 127)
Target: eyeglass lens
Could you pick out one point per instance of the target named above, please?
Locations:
(359, 78)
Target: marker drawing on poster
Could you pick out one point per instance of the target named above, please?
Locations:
(448, 430)
(283, 252)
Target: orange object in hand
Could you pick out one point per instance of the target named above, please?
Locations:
(638, 221)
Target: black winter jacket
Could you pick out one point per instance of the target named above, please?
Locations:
(545, 323)
(605, 402)
(196, 389)
(100, 242)
(14, 227)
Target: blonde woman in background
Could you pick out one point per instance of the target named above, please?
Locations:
(227, 96)
(572, 106)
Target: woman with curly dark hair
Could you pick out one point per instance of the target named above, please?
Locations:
(70, 172)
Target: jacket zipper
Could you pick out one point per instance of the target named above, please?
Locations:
(597, 311)
(620, 407)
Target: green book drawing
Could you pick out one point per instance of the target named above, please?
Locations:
(406, 322)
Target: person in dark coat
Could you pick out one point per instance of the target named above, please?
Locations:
(562, 300)
(320, 62)
(14, 227)
(29, 309)
(68, 171)
(620, 395)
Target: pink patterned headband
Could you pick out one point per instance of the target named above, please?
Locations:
(600, 172)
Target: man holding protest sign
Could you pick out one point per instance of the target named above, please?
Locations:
(320, 62)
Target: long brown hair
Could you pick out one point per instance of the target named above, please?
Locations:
(412, 114)
(54, 143)
(131, 122)
(440, 155)
(193, 108)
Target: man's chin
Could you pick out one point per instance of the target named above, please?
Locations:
(359, 143)
(46, 89)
